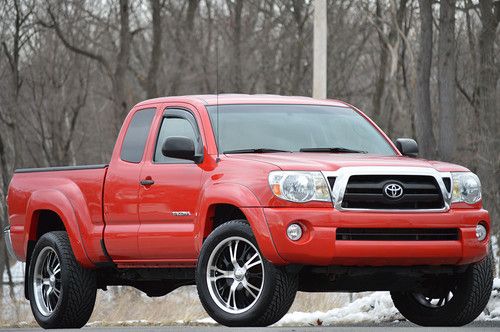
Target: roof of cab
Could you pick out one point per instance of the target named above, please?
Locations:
(226, 99)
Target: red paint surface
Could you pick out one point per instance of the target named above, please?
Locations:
(139, 229)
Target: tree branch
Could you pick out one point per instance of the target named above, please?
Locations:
(97, 57)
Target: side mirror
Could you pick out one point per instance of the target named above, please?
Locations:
(407, 147)
(179, 147)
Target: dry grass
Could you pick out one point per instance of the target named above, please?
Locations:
(125, 305)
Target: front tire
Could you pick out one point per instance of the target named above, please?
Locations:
(62, 293)
(237, 286)
(456, 305)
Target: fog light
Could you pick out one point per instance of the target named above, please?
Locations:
(481, 232)
(294, 232)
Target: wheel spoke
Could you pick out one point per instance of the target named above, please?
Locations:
(223, 276)
(49, 263)
(45, 297)
(250, 263)
(49, 303)
(232, 296)
(57, 269)
(249, 287)
(57, 293)
(233, 254)
(253, 287)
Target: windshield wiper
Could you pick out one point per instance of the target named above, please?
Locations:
(331, 150)
(257, 150)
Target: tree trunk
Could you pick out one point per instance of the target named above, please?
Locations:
(122, 61)
(423, 114)
(236, 66)
(446, 80)
(154, 64)
(184, 50)
(380, 84)
(489, 114)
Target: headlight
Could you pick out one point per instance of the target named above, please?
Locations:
(466, 188)
(299, 186)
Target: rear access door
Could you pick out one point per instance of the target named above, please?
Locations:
(122, 185)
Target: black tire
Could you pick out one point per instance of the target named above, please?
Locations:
(77, 286)
(470, 297)
(277, 291)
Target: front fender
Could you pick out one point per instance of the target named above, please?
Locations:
(242, 197)
(56, 201)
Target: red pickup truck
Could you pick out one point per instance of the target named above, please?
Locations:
(253, 198)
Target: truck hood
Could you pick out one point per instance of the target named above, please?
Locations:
(332, 161)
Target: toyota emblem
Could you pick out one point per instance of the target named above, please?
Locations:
(393, 190)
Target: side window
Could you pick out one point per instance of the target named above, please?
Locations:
(176, 123)
(137, 135)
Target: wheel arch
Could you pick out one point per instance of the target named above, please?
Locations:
(50, 210)
(225, 201)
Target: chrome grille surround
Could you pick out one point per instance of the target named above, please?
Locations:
(343, 174)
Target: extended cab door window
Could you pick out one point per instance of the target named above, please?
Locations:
(137, 135)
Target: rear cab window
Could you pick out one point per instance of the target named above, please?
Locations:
(137, 134)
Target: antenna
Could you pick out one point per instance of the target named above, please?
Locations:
(217, 95)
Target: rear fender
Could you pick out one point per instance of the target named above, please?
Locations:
(56, 201)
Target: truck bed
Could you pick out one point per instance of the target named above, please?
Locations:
(77, 189)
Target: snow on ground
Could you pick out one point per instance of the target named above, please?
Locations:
(374, 308)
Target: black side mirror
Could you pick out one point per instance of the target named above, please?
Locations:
(407, 147)
(179, 147)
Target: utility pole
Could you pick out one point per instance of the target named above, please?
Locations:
(319, 50)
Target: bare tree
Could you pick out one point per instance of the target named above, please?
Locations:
(117, 68)
(423, 112)
(446, 80)
(236, 74)
(9, 144)
(489, 113)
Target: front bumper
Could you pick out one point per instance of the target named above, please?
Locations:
(8, 243)
(318, 245)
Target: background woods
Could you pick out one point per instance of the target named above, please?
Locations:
(70, 70)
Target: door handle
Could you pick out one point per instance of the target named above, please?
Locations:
(147, 182)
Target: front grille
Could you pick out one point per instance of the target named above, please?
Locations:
(397, 234)
(367, 192)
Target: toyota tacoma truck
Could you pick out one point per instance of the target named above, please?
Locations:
(253, 198)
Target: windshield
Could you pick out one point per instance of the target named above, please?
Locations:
(294, 128)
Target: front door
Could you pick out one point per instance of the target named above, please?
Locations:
(169, 196)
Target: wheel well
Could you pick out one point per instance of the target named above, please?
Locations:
(47, 221)
(219, 214)
(43, 221)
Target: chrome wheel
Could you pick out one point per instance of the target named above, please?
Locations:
(433, 302)
(235, 275)
(47, 281)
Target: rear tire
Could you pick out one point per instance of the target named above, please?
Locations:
(470, 295)
(62, 293)
(244, 291)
